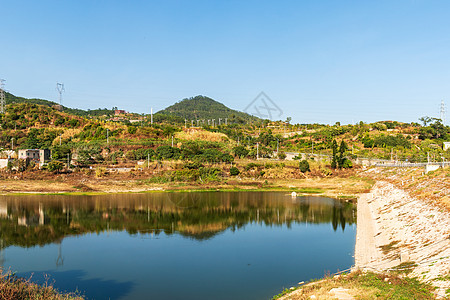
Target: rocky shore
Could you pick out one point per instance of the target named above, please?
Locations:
(396, 232)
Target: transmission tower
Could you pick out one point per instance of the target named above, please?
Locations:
(60, 88)
(2, 96)
(442, 112)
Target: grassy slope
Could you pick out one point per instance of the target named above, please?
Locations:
(201, 107)
(363, 286)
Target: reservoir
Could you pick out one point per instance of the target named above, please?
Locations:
(192, 245)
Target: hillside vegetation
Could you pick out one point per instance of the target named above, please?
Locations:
(199, 151)
(204, 108)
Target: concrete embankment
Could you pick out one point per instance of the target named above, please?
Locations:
(398, 232)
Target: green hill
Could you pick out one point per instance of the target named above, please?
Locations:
(204, 108)
(10, 98)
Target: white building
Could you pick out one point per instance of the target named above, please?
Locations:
(446, 146)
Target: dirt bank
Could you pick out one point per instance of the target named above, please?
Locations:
(396, 232)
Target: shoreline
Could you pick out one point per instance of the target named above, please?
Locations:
(396, 232)
(335, 187)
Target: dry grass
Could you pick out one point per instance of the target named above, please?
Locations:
(12, 287)
(199, 134)
(434, 187)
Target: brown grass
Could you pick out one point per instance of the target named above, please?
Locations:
(12, 287)
(433, 188)
(199, 134)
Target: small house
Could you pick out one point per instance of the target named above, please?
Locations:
(39, 156)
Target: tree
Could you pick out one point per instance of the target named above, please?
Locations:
(304, 166)
(342, 149)
(343, 162)
(60, 152)
(334, 162)
(234, 171)
(55, 166)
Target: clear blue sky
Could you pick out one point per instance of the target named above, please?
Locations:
(320, 61)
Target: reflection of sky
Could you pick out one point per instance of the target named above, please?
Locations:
(255, 262)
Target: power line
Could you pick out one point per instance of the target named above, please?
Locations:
(2, 96)
(442, 112)
(60, 89)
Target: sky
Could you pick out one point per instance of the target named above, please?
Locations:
(317, 61)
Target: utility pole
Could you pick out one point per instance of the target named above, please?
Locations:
(2, 96)
(151, 116)
(60, 139)
(277, 147)
(68, 160)
(442, 112)
(60, 89)
(12, 143)
(148, 160)
(172, 141)
(257, 151)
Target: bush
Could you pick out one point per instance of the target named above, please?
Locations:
(193, 165)
(251, 166)
(240, 151)
(347, 163)
(304, 166)
(167, 152)
(55, 166)
(281, 155)
(234, 171)
(131, 129)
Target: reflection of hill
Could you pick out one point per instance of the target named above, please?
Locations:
(39, 220)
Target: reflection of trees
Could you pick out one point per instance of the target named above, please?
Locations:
(39, 220)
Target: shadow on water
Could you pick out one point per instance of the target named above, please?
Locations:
(73, 280)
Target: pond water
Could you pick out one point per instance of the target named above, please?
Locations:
(202, 245)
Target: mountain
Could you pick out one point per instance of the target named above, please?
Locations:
(205, 108)
(10, 98)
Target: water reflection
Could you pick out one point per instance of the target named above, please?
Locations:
(214, 245)
(28, 221)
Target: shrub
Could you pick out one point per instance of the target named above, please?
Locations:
(281, 155)
(240, 151)
(304, 166)
(131, 129)
(193, 165)
(234, 171)
(347, 163)
(55, 166)
(167, 152)
(251, 166)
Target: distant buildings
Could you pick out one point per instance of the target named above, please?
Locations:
(118, 112)
(39, 156)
